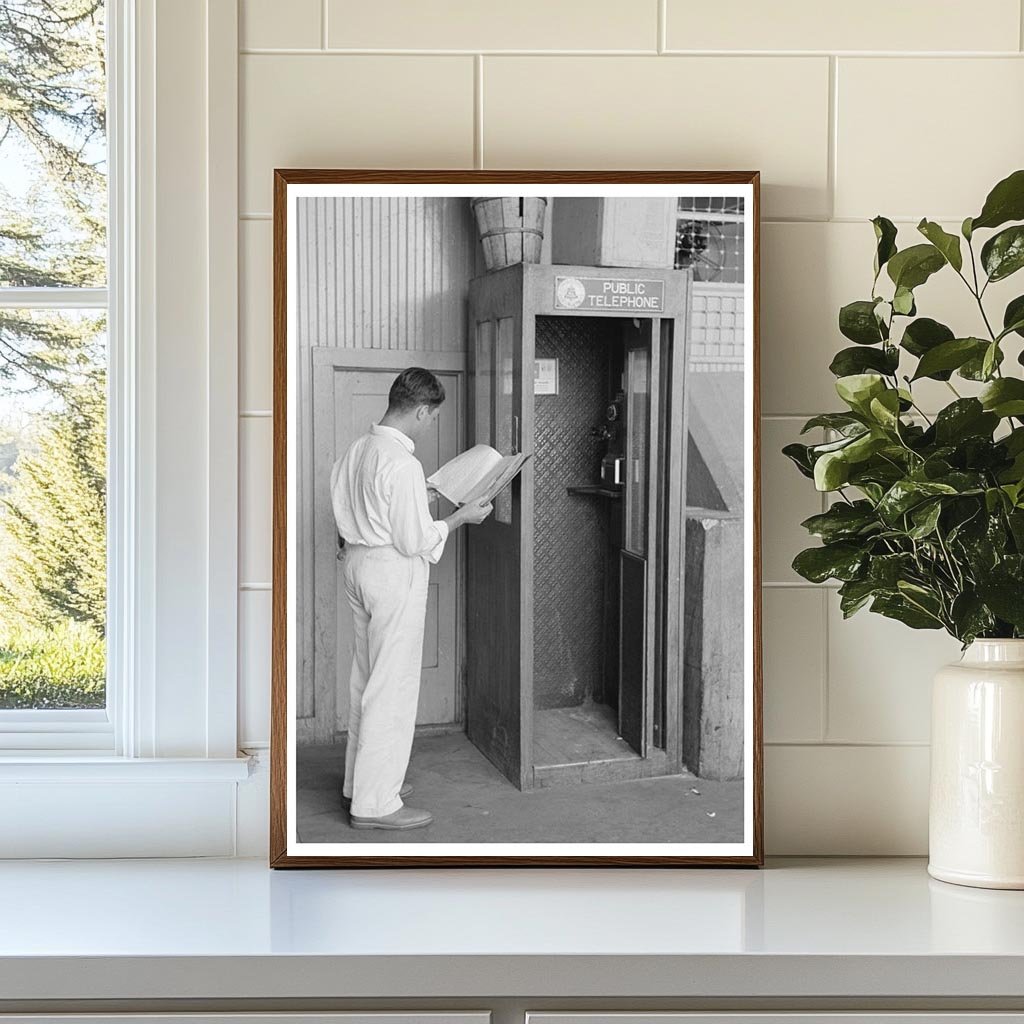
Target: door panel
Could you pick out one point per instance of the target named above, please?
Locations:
(499, 612)
(352, 401)
(637, 563)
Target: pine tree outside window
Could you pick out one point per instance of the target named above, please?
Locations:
(53, 364)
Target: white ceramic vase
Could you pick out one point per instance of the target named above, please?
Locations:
(976, 813)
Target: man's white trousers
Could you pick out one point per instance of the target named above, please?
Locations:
(388, 595)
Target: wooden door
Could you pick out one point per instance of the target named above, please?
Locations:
(499, 562)
(637, 597)
(347, 402)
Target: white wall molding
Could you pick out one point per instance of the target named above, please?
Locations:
(174, 466)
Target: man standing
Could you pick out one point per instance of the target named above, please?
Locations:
(380, 506)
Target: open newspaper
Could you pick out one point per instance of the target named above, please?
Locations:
(479, 472)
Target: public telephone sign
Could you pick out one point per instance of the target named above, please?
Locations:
(609, 294)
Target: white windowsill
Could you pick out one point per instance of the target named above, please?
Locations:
(196, 932)
(77, 766)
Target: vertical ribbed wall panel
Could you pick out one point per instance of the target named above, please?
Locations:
(388, 273)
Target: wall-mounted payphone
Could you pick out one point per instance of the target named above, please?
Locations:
(574, 607)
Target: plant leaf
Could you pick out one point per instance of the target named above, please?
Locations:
(947, 244)
(887, 570)
(925, 518)
(923, 335)
(1004, 397)
(970, 617)
(974, 368)
(906, 494)
(849, 361)
(843, 521)
(857, 321)
(885, 236)
(966, 417)
(831, 471)
(885, 409)
(1013, 317)
(913, 266)
(858, 389)
(841, 561)
(949, 355)
(854, 594)
(990, 360)
(1003, 254)
(800, 456)
(1006, 599)
(1005, 202)
(903, 302)
(841, 421)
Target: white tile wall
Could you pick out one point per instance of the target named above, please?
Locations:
(511, 25)
(795, 640)
(944, 104)
(873, 25)
(697, 113)
(333, 110)
(261, 25)
(908, 110)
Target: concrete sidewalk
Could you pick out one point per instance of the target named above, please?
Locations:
(473, 803)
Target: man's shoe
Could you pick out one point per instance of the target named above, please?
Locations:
(403, 818)
(405, 791)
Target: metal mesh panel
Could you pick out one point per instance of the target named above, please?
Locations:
(570, 532)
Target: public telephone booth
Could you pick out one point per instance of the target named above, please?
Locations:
(574, 584)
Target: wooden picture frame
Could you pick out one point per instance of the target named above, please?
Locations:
(386, 277)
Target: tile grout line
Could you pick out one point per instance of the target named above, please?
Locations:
(1020, 25)
(323, 24)
(662, 41)
(354, 51)
(478, 111)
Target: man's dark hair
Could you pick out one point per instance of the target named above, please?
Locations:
(413, 387)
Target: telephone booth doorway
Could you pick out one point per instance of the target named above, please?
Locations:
(574, 584)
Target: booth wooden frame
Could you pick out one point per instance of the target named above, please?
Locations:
(278, 853)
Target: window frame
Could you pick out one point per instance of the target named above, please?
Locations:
(94, 730)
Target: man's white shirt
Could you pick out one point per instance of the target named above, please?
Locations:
(379, 495)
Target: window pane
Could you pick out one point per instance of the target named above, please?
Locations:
(52, 509)
(53, 151)
(484, 379)
(709, 238)
(638, 413)
(504, 435)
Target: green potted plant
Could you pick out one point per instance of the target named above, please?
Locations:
(926, 521)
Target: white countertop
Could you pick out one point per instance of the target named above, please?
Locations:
(235, 929)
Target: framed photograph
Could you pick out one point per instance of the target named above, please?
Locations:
(516, 555)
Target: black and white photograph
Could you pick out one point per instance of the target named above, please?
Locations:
(516, 561)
